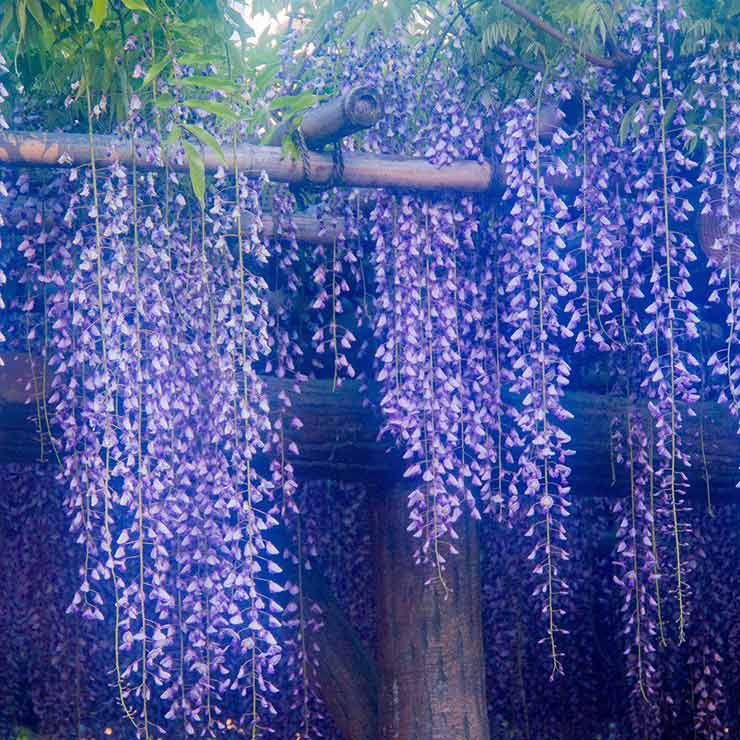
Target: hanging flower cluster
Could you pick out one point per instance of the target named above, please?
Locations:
(340, 283)
(705, 661)
(330, 551)
(162, 416)
(3, 187)
(159, 315)
(636, 560)
(599, 167)
(717, 86)
(535, 268)
(53, 665)
(659, 171)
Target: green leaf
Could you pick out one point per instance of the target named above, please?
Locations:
(263, 79)
(292, 103)
(136, 5)
(206, 138)
(197, 172)
(37, 11)
(165, 100)
(244, 30)
(290, 148)
(210, 83)
(211, 106)
(173, 137)
(21, 13)
(98, 12)
(154, 71)
(195, 59)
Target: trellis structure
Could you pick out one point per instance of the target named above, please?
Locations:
(428, 681)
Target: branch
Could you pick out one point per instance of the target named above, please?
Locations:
(440, 42)
(616, 62)
(356, 110)
(515, 62)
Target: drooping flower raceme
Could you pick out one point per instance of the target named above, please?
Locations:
(535, 276)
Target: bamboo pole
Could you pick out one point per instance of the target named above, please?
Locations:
(307, 229)
(306, 225)
(360, 170)
(356, 110)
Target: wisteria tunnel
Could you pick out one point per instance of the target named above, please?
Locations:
(370, 369)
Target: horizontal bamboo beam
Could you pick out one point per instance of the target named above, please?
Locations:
(339, 438)
(307, 229)
(307, 226)
(360, 170)
(356, 110)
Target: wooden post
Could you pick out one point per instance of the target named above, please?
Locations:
(431, 667)
(360, 170)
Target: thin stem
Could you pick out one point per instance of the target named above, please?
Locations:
(108, 403)
(635, 560)
(334, 312)
(584, 241)
(671, 348)
(304, 656)
(731, 300)
(44, 367)
(36, 392)
(543, 392)
(245, 391)
(654, 538)
(139, 441)
(499, 422)
(430, 347)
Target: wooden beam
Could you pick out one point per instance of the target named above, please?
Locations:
(339, 438)
(21, 148)
(356, 110)
(345, 672)
(308, 228)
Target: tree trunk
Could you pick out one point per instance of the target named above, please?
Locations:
(431, 670)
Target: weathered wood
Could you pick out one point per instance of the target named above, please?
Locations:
(346, 674)
(358, 109)
(307, 227)
(431, 665)
(339, 438)
(360, 170)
